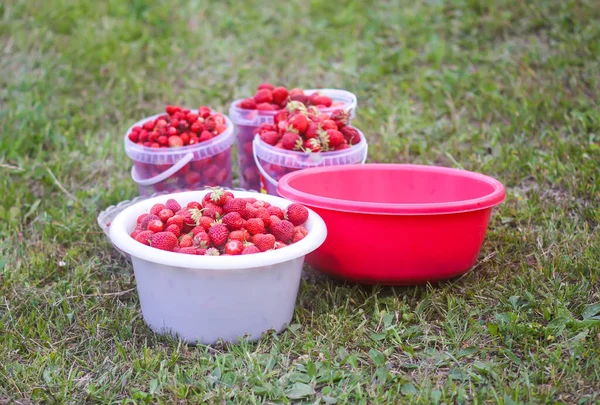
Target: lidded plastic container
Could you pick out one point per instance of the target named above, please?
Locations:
(189, 167)
(248, 121)
(273, 163)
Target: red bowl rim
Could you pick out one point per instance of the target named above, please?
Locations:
(492, 199)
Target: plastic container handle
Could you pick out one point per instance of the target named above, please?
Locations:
(164, 175)
(258, 165)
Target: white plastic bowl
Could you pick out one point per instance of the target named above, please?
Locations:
(202, 299)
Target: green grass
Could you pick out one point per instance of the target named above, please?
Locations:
(506, 88)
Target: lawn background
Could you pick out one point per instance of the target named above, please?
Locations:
(506, 88)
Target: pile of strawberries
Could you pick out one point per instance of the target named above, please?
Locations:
(271, 98)
(179, 127)
(306, 129)
(221, 224)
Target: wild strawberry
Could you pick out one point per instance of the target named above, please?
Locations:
(155, 226)
(351, 134)
(188, 250)
(280, 94)
(201, 240)
(234, 247)
(279, 245)
(282, 230)
(340, 117)
(173, 205)
(144, 237)
(265, 85)
(233, 221)
(312, 145)
(270, 137)
(212, 252)
(264, 241)
(156, 208)
(192, 204)
(141, 218)
(186, 241)
(299, 233)
(320, 100)
(263, 96)
(147, 220)
(291, 141)
(250, 250)
(297, 214)
(165, 214)
(273, 210)
(247, 104)
(176, 220)
(163, 241)
(218, 234)
(242, 235)
(174, 229)
(255, 226)
(298, 122)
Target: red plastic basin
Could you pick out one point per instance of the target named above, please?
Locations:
(396, 224)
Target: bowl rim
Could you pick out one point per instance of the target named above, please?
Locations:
(492, 199)
(120, 237)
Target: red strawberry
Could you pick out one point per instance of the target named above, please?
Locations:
(206, 222)
(262, 213)
(173, 205)
(193, 204)
(279, 117)
(212, 252)
(155, 226)
(216, 196)
(343, 146)
(297, 214)
(312, 145)
(340, 117)
(242, 235)
(328, 124)
(283, 230)
(279, 245)
(334, 138)
(147, 220)
(164, 241)
(351, 134)
(197, 229)
(176, 141)
(266, 127)
(156, 208)
(247, 104)
(261, 204)
(280, 94)
(235, 205)
(249, 211)
(141, 218)
(270, 137)
(264, 241)
(192, 178)
(273, 210)
(234, 247)
(321, 100)
(209, 212)
(298, 122)
(186, 241)
(188, 250)
(186, 214)
(250, 250)
(204, 111)
(291, 141)
(263, 96)
(274, 219)
(255, 226)
(218, 234)
(135, 232)
(144, 237)
(176, 220)
(299, 233)
(216, 208)
(174, 229)
(200, 252)
(312, 131)
(233, 221)
(265, 85)
(201, 240)
(165, 214)
(265, 107)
